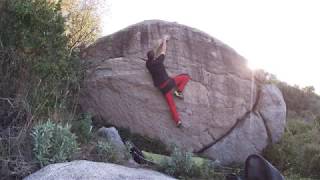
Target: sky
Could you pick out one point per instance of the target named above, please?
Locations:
(279, 36)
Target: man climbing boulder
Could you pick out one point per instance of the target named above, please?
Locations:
(167, 85)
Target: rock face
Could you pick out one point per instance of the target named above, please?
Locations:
(255, 130)
(218, 103)
(84, 170)
(270, 106)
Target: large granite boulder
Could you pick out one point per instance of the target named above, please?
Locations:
(223, 102)
(85, 170)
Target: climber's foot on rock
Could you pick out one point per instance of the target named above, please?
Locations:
(178, 94)
(179, 124)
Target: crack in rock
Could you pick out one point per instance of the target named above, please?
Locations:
(226, 134)
(266, 126)
(240, 120)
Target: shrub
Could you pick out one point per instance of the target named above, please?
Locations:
(40, 77)
(106, 152)
(53, 143)
(298, 152)
(83, 127)
(207, 170)
(311, 159)
(296, 177)
(35, 59)
(181, 165)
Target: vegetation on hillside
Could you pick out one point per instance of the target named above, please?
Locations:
(40, 77)
(298, 152)
(302, 102)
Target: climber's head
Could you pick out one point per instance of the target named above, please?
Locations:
(150, 55)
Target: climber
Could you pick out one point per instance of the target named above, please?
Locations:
(161, 80)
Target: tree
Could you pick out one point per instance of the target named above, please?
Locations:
(308, 89)
(35, 58)
(38, 74)
(82, 20)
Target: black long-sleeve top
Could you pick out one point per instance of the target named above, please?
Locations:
(157, 70)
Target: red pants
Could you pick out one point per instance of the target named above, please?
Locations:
(181, 81)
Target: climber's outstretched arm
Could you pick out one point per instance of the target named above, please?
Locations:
(162, 47)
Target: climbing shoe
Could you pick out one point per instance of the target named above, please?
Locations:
(178, 94)
(179, 124)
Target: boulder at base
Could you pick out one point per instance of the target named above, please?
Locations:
(223, 106)
(112, 136)
(85, 170)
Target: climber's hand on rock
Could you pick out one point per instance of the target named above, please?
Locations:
(166, 38)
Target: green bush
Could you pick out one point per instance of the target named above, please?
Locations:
(296, 177)
(40, 76)
(106, 152)
(311, 159)
(82, 127)
(298, 152)
(207, 170)
(53, 143)
(34, 55)
(181, 165)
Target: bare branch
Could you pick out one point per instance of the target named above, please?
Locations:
(8, 100)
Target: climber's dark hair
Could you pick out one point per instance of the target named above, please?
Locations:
(150, 55)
